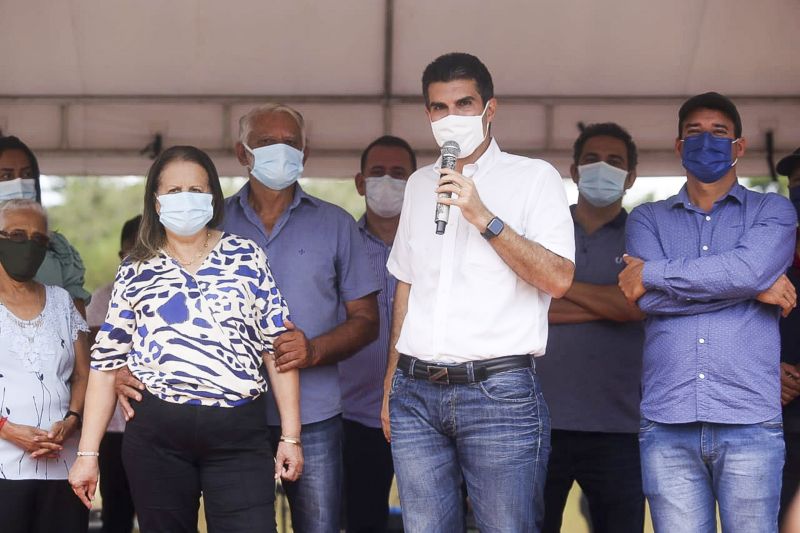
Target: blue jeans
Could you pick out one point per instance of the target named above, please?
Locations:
(495, 435)
(687, 468)
(315, 499)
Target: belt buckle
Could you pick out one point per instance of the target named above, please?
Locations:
(438, 374)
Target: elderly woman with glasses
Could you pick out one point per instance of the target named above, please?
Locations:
(44, 367)
(19, 179)
(194, 312)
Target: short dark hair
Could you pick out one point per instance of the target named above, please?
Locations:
(391, 141)
(458, 66)
(130, 230)
(606, 129)
(151, 232)
(710, 100)
(9, 142)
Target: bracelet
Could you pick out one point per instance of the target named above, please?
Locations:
(76, 415)
(291, 440)
(3, 421)
(88, 454)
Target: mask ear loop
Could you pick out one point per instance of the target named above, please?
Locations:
(488, 125)
(737, 159)
(249, 168)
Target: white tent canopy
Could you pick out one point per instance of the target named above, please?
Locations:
(88, 83)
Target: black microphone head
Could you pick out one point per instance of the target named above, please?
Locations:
(451, 148)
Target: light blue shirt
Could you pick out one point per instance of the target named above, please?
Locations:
(317, 257)
(361, 376)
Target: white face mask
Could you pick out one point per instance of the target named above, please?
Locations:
(467, 131)
(185, 213)
(385, 195)
(18, 188)
(601, 184)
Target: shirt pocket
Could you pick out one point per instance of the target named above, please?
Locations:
(481, 254)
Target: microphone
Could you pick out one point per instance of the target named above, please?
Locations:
(450, 152)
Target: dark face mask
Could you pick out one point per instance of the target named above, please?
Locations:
(21, 260)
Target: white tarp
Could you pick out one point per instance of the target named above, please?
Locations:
(88, 83)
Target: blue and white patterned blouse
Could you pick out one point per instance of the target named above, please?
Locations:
(195, 339)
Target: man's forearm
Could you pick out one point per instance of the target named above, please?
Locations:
(655, 302)
(605, 301)
(359, 329)
(563, 311)
(399, 310)
(534, 263)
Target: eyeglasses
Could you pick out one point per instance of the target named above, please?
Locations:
(19, 236)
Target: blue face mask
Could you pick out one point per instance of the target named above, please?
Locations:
(706, 157)
(276, 166)
(794, 196)
(601, 184)
(185, 213)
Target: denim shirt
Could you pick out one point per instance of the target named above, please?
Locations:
(711, 350)
(317, 256)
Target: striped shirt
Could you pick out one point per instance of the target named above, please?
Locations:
(195, 339)
(361, 376)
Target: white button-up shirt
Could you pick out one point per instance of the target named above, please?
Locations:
(466, 303)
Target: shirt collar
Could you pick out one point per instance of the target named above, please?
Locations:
(737, 191)
(300, 195)
(483, 163)
(362, 226)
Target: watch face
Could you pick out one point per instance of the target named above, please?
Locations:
(495, 226)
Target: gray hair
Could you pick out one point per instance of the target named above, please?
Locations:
(246, 122)
(21, 204)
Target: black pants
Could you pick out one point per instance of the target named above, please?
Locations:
(791, 471)
(117, 510)
(174, 452)
(368, 473)
(607, 468)
(41, 506)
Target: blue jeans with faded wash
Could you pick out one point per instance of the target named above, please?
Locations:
(315, 498)
(495, 435)
(688, 468)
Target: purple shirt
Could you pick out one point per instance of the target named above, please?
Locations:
(317, 257)
(361, 376)
(711, 350)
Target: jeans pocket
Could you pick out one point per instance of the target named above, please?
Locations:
(646, 424)
(396, 378)
(774, 423)
(513, 386)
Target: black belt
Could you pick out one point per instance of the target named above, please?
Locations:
(458, 374)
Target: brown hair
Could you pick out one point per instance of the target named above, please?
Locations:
(152, 236)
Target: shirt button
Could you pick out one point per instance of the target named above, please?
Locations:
(705, 248)
(702, 341)
(702, 376)
(708, 217)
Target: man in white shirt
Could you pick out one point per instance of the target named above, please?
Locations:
(461, 397)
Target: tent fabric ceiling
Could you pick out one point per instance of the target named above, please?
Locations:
(90, 82)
